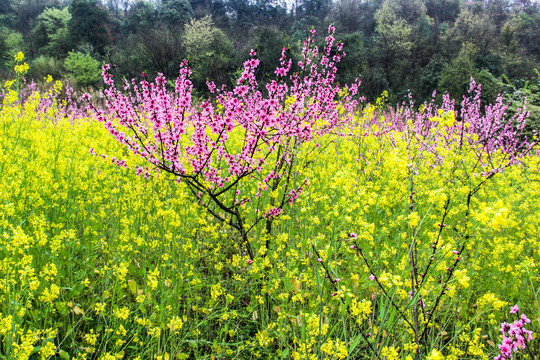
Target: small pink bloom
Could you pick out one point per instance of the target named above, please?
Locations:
(514, 309)
(505, 349)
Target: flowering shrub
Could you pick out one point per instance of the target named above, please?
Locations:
(465, 154)
(221, 148)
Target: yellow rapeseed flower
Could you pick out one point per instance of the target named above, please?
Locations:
(435, 355)
(19, 56)
(414, 219)
(21, 68)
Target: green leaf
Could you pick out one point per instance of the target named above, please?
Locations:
(63, 355)
(133, 287)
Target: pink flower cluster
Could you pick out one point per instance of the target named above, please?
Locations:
(515, 336)
(239, 137)
(488, 129)
(65, 103)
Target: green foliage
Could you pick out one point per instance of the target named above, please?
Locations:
(443, 10)
(524, 93)
(412, 11)
(313, 12)
(3, 47)
(354, 64)
(491, 87)
(44, 65)
(456, 76)
(490, 61)
(209, 50)
(392, 32)
(198, 35)
(174, 12)
(52, 31)
(529, 32)
(159, 50)
(473, 28)
(396, 45)
(84, 69)
(11, 42)
(269, 42)
(89, 24)
(4, 6)
(393, 42)
(347, 15)
(141, 17)
(507, 38)
(429, 77)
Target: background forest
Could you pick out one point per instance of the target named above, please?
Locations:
(394, 45)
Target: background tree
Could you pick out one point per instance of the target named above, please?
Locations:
(268, 42)
(141, 17)
(393, 43)
(209, 51)
(456, 75)
(24, 12)
(215, 8)
(89, 25)
(51, 32)
(354, 64)
(314, 12)
(13, 42)
(159, 50)
(443, 11)
(174, 13)
(498, 11)
(4, 7)
(473, 28)
(528, 26)
(346, 14)
(83, 68)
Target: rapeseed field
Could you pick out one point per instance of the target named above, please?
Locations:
(409, 232)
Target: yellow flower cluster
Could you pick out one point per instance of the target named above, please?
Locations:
(20, 69)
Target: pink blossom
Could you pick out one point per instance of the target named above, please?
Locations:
(514, 335)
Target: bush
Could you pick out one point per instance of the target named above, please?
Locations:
(83, 68)
(45, 65)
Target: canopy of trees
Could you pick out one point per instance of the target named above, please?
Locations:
(395, 45)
